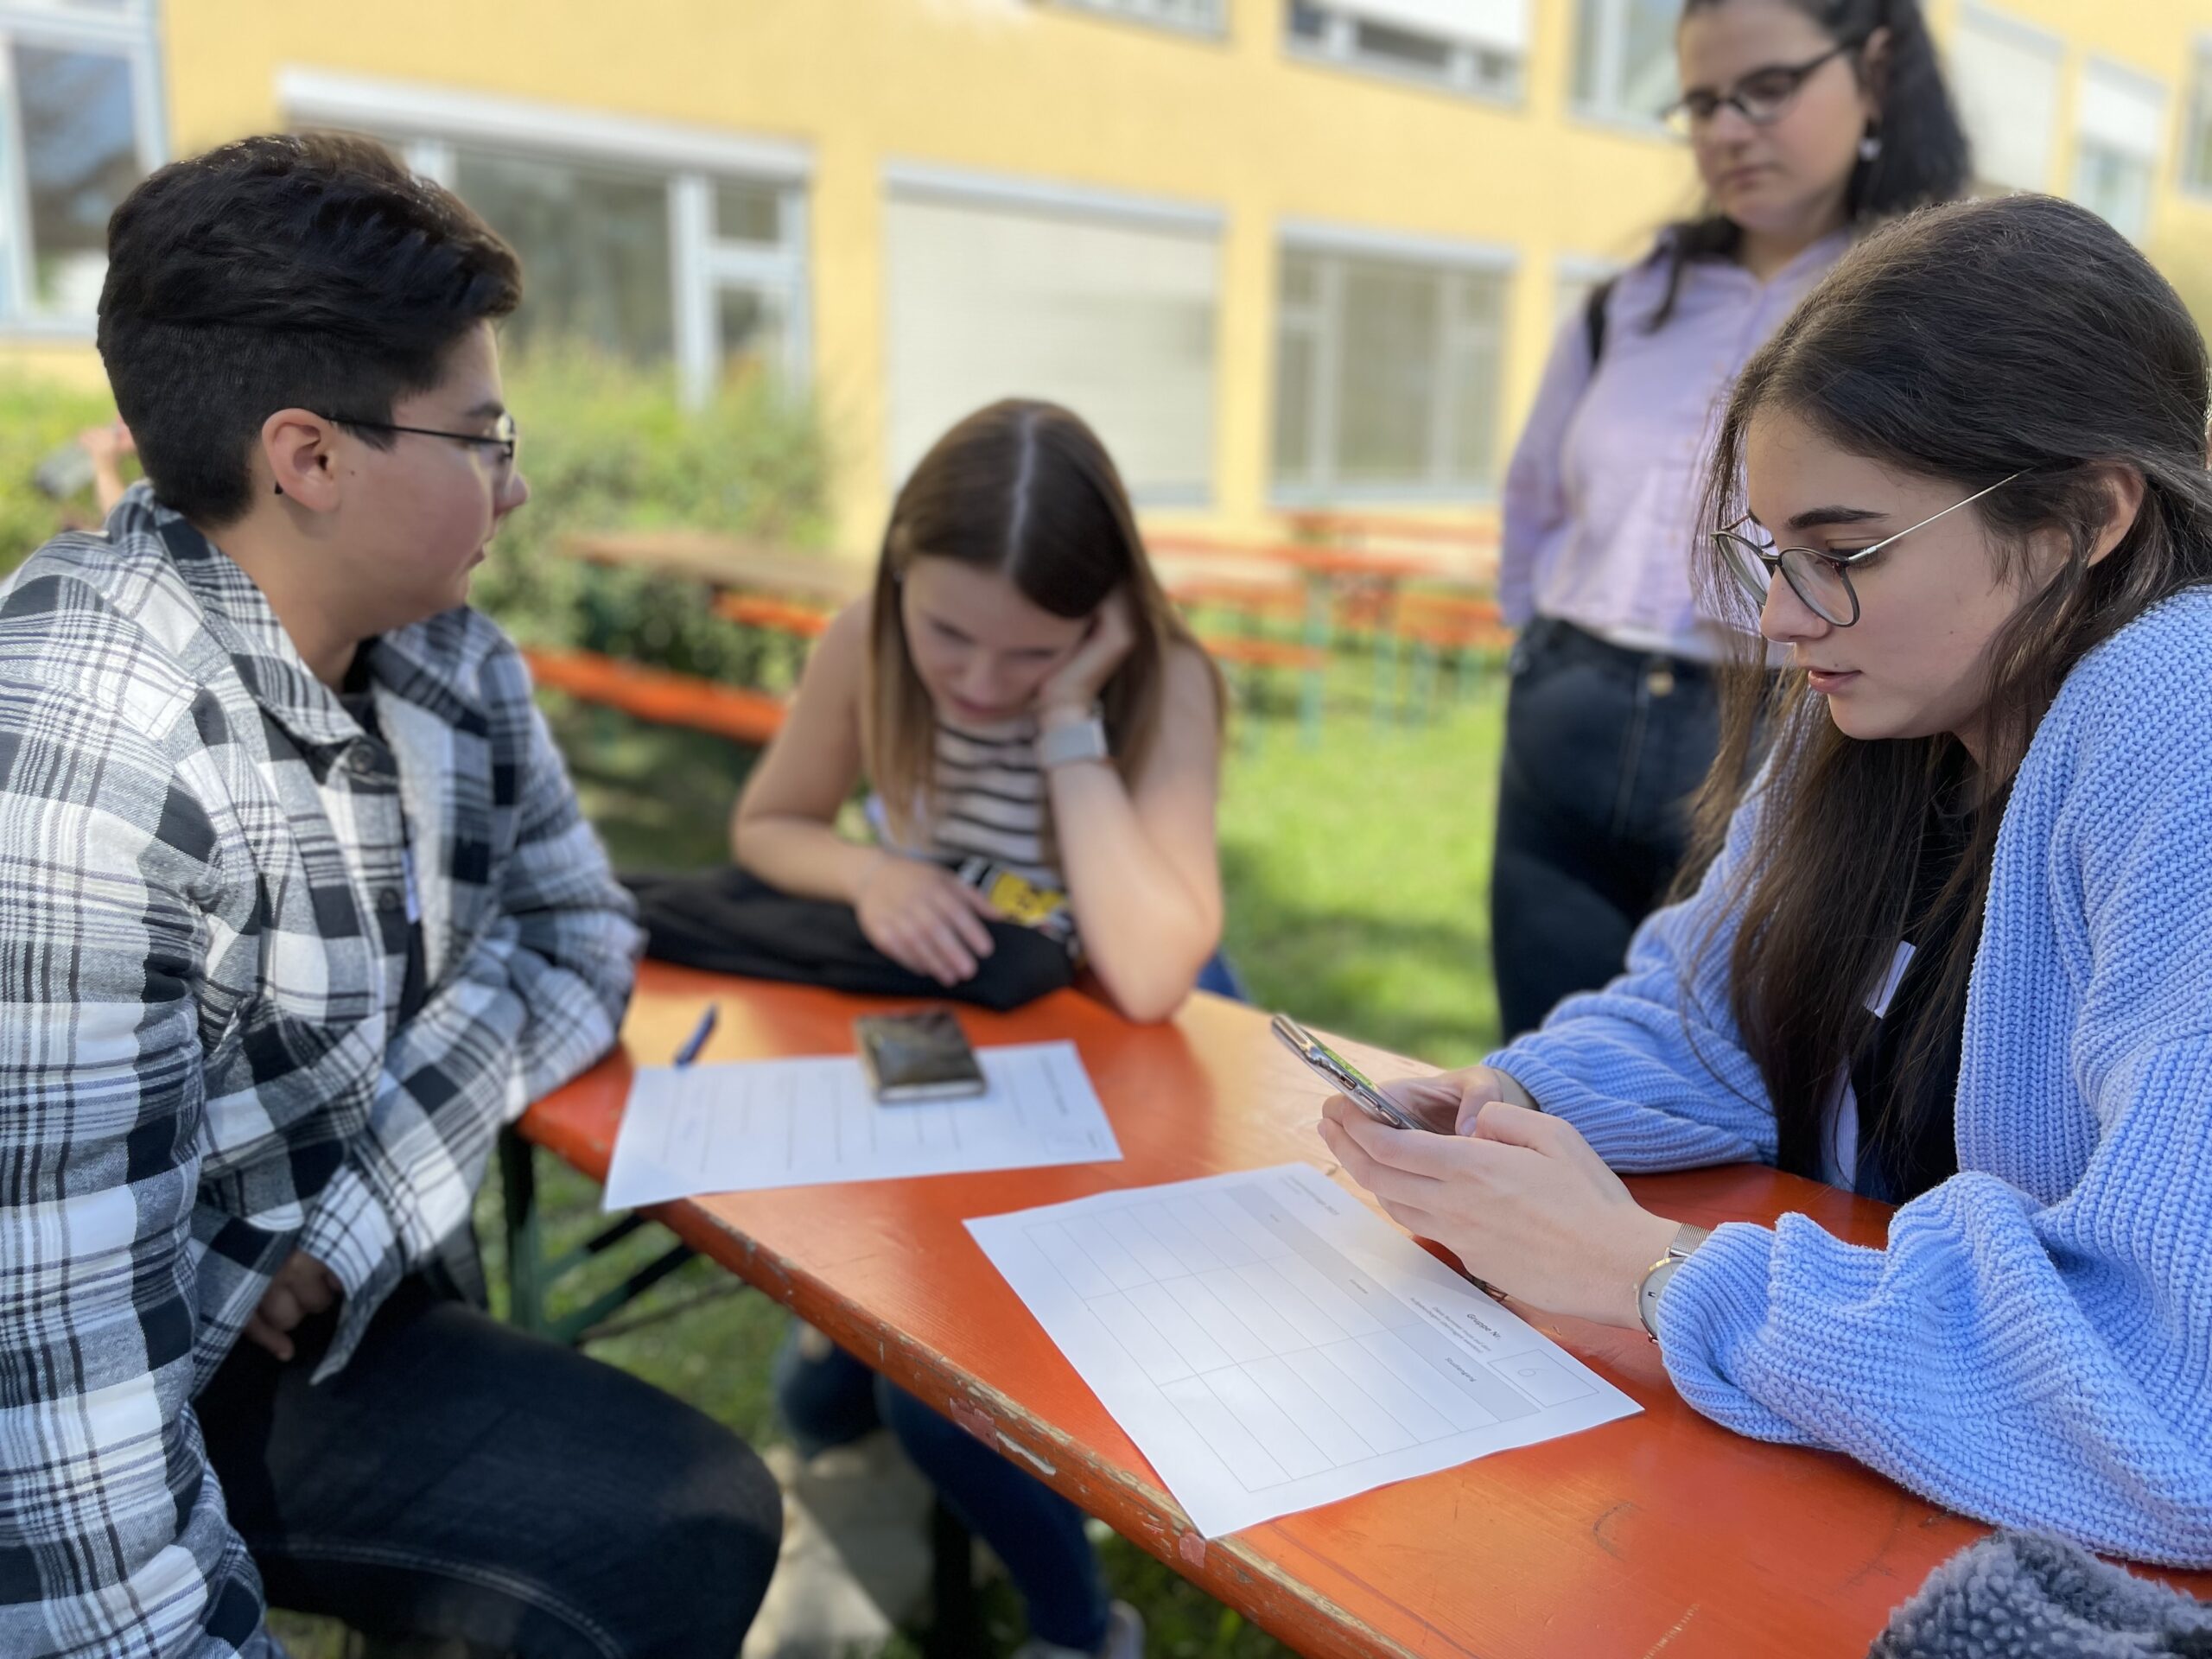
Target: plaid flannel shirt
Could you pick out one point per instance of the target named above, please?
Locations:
(204, 865)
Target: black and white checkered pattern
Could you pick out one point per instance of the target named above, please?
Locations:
(201, 1067)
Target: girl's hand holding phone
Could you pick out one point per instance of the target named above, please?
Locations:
(923, 917)
(1449, 1102)
(1076, 684)
(1517, 1196)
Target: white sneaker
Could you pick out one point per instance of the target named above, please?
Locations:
(1124, 1639)
(1124, 1633)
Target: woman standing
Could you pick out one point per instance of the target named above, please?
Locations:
(1808, 119)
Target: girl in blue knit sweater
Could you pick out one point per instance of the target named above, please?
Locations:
(1951, 945)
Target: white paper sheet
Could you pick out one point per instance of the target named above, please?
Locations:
(1270, 1343)
(749, 1124)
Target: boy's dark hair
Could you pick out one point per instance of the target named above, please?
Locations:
(311, 271)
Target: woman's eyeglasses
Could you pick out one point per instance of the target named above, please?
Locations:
(1821, 579)
(504, 440)
(1762, 98)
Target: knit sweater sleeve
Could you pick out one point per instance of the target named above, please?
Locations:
(2034, 1351)
(1650, 1069)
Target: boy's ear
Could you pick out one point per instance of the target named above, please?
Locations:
(298, 447)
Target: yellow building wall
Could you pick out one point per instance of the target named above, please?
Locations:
(1021, 90)
(1029, 91)
(2157, 38)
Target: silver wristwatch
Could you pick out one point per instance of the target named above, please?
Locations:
(1078, 740)
(1686, 1238)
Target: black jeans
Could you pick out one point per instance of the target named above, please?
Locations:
(461, 1479)
(1604, 747)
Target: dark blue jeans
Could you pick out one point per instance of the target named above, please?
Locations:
(832, 1398)
(461, 1479)
(1604, 748)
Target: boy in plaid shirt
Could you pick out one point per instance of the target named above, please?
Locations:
(301, 910)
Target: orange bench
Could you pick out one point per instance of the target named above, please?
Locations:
(772, 615)
(1241, 651)
(659, 696)
(1370, 526)
(1282, 600)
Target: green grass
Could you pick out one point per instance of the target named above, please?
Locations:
(1357, 873)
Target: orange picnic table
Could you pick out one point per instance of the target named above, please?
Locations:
(1659, 1533)
(1322, 572)
(725, 562)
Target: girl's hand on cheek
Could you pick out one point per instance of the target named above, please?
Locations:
(1076, 683)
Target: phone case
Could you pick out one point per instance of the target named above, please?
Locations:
(1347, 1078)
(919, 1055)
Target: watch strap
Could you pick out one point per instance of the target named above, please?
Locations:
(1686, 1238)
(1072, 742)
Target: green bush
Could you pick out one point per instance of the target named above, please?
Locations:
(38, 415)
(606, 446)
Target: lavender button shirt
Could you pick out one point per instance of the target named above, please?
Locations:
(1602, 497)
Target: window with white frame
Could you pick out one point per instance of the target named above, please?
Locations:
(1199, 16)
(2196, 152)
(1478, 47)
(1625, 58)
(1108, 305)
(655, 242)
(1387, 369)
(79, 125)
(2005, 75)
(2119, 133)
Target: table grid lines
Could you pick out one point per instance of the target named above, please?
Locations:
(1299, 1354)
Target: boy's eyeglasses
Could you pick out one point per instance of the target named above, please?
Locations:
(1821, 579)
(1762, 98)
(505, 439)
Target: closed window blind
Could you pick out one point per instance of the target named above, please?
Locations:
(1111, 316)
(1501, 25)
(2005, 77)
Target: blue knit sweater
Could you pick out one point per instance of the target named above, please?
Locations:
(2034, 1347)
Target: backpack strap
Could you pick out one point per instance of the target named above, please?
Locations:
(1594, 318)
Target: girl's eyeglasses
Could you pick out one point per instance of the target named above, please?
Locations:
(1762, 98)
(1821, 579)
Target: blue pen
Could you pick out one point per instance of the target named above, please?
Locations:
(697, 1039)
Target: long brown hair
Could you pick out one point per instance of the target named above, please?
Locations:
(1964, 343)
(1025, 489)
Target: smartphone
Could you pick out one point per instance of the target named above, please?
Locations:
(1348, 1079)
(919, 1056)
(63, 472)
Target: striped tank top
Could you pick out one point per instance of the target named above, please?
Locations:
(989, 818)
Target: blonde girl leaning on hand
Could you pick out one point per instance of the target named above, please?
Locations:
(1041, 733)
(1043, 737)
